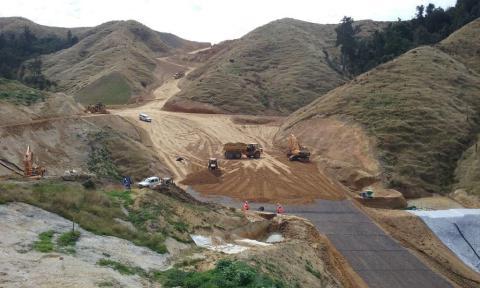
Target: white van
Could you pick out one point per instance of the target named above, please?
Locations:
(149, 182)
(144, 117)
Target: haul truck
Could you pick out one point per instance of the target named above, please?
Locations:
(236, 150)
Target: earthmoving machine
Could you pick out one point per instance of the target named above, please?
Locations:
(178, 75)
(98, 108)
(236, 150)
(31, 169)
(297, 152)
(213, 164)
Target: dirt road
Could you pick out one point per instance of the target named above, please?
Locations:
(197, 137)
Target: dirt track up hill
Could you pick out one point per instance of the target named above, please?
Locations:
(417, 115)
(113, 62)
(275, 69)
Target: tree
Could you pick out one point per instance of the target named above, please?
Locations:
(345, 38)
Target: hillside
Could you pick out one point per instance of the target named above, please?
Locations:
(63, 137)
(412, 117)
(113, 62)
(275, 69)
(16, 25)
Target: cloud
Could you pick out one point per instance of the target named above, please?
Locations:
(207, 20)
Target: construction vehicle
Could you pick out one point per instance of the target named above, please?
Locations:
(236, 150)
(178, 75)
(32, 169)
(98, 108)
(213, 164)
(297, 152)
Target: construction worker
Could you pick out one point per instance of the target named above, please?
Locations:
(245, 207)
(280, 209)
(127, 182)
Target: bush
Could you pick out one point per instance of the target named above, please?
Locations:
(89, 184)
(122, 268)
(69, 238)
(226, 274)
(44, 243)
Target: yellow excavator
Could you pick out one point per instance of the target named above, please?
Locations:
(297, 152)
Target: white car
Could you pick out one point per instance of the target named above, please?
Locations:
(144, 117)
(149, 182)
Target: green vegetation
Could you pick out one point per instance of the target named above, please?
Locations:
(125, 197)
(122, 268)
(19, 94)
(44, 243)
(91, 209)
(421, 109)
(313, 271)
(110, 89)
(430, 25)
(275, 69)
(17, 48)
(226, 274)
(69, 238)
(99, 159)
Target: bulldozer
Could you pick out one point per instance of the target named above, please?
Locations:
(98, 108)
(213, 164)
(297, 152)
(32, 169)
(236, 150)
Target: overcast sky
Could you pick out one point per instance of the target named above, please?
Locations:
(207, 20)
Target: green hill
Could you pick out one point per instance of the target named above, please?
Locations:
(113, 62)
(420, 110)
(275, 69)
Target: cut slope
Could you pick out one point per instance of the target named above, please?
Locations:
(274, 69)
(420, 109)
(113, 62)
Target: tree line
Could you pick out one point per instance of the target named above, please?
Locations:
(20, 55)
(430, 25)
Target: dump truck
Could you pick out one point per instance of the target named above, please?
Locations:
(98, 108)
(297, 152)
(213, 164)
(236, 150)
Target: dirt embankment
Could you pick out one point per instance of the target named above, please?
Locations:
(415, 235)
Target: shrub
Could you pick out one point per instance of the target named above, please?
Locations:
(44, 243)
(69, 238)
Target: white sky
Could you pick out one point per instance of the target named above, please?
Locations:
(207, 20)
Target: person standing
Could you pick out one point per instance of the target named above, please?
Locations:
(280, 209)
(245, 206)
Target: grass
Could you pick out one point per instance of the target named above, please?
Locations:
(99, 158)
(93, 210)
(44, 243)
(277, 68)
(121, 268)
(125, 197)
(109, 89)
(19, 94)
(422, 111)
(69, 238)
(313, 271)
(226, 274)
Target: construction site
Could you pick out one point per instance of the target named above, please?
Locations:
(180, 185)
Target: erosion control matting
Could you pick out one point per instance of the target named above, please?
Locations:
(459, 230)
(374, 255)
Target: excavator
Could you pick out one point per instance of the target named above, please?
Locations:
(297, 152)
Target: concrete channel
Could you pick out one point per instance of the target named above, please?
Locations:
(379, 259)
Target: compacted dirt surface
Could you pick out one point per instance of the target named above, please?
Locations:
(185, 142)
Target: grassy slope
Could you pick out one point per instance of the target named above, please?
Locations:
(110, 57)
(16, 25)
(17, 93)
(275, 69)
(422, 108)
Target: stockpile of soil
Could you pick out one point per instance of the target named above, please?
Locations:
(202, 177)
